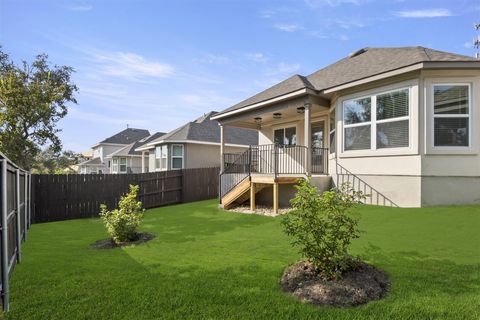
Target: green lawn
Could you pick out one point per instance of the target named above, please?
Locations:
(209, 264)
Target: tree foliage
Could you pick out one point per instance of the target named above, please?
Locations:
(122, 223)
(34, 98)
(49, 161)
(322, 228)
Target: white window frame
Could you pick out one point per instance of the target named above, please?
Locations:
(114, 165)
(179, 157)
(413, 114)
(332, 130)
(120, 164)
(160, 156)
(466, 115)
(373, 100)
(284, 128)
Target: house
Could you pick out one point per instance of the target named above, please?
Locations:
(401, 124)
(194, 145)
(128, 160)
(99, 162)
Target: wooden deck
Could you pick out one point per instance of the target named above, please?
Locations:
(248, 188)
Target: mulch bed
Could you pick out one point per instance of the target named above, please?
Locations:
(110, 244)
(357, 286)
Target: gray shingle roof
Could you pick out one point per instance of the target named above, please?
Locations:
(205, 129)
(129, 150)
(370, 62)
(127, 136)
(93, 161)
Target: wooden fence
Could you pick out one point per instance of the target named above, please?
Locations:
(15, 219)
(63, 197)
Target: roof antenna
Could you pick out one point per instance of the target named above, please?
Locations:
(476, 41)
(127, 125)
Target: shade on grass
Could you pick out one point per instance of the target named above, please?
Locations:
(208, 263)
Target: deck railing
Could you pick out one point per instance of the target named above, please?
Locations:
(270, 159)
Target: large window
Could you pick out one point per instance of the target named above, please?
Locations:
(285, 136)
(177, 156)
(161, 157)
(377, 122)
(123, 165)
(451, 115)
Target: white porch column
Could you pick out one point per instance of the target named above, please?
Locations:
(143, 161)
(222, 147)
(308, 139)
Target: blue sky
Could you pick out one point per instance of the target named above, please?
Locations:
(158, 64)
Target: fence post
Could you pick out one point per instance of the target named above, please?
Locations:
(25, 207)
(30, 203)
(4, 253)
(17, 213)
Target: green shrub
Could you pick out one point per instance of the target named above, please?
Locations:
(122, 223)
(321, 227)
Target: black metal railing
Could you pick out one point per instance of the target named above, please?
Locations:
(373, 196)
(270, 159)
(236, 169)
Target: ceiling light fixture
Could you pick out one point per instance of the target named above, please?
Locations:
(277, 115)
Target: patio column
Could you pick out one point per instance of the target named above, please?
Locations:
(308, 139)
(222, 147)
(143, 161)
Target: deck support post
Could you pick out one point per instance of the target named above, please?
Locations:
(252, 196)
(308, 139)
(275, 197)
(222, 148)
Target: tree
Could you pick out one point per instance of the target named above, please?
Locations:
(33, 98)
(50, 161)
(322, 228)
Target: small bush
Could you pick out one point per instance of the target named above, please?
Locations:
(122, 223)
(322, 228)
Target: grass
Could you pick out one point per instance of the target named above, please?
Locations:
(209, 264)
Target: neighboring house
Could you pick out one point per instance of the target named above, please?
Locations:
(194, 145)
(99, 162)
(127, 160)
(402, 124)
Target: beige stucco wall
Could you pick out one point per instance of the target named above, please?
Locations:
(415, 176)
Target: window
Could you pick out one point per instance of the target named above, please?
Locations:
(357, 123)
(285, 136)
(332, 131)
(380, 121)
(161, 157)
(177, 156)
(109, 163)
(451, 115)
(123, 164)
(393, 119)
(115, 165)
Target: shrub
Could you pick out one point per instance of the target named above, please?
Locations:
(122, 223)
(321, 227)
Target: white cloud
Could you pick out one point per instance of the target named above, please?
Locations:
(77, 113)
(82, 7)
(283, 69)
(131, 66)
(426, 13)
(348, 24)
(257, 57)
(332, 3)
(288, 27)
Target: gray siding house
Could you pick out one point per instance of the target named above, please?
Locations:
(194, 145)
(101, 162)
